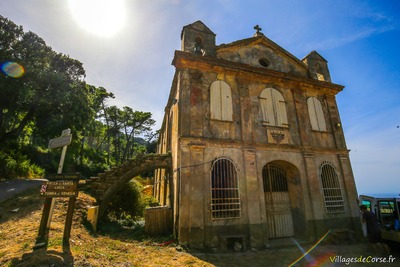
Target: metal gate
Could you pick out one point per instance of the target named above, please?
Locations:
(277, 202)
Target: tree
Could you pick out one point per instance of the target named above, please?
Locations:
(50, 95)
(122, 127)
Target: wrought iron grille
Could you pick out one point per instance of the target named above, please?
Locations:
(225, 198)
(333, 198)
(274, 179)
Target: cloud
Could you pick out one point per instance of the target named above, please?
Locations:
(349, 37)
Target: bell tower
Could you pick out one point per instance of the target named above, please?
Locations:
(318, 67)
(198, 39)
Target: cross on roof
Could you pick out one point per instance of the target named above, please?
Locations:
(257, 28)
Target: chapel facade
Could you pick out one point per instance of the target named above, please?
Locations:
(257, 145)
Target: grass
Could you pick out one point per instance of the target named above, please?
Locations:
(111, 246)
(115, 245)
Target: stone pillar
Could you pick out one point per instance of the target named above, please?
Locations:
(184, 195)
(313, 197)
(254, 211)
(196, 180)
(351, 192)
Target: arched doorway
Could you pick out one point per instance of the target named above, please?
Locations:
(277, 202)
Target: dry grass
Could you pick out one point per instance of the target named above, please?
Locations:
(18, 232)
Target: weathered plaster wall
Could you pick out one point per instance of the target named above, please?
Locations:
(195, 141)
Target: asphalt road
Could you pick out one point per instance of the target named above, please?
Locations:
(9, 188)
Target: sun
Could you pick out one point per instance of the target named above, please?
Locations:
(103, 18)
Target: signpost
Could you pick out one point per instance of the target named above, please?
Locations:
(58, 185)
(60, 141)
(61, 188)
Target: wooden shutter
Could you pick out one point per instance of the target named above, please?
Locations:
(280, 107)
(316, 114)
(215, 101)
(220, 101)
(226, 102)
(267, 108)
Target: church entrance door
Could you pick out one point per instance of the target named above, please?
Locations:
(277, 202)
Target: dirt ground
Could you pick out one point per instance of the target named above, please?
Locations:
(20, 219)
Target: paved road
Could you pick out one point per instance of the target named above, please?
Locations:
(10, 188)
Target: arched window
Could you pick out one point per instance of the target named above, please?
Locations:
(220, 101)
(316, 114)
(225, 199)
(333, 198)
(273, 108)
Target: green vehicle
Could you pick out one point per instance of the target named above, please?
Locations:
(386, 208)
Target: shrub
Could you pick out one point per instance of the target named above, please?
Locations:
(16, 165)
(130, 202)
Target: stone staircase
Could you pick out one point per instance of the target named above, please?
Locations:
(107, 184)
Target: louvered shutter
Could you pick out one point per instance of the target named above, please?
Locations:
(221, 101)
(280, 106)
(226, 102)
(316, 114)
(267, 108)
(215, 101)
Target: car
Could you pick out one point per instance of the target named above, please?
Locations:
(387, 210)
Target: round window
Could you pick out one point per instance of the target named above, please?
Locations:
(264, 62)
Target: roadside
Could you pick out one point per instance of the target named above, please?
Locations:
(9, 188)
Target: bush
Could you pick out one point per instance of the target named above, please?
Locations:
(130, 202)
(16, 165)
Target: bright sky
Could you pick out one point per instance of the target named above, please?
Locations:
(127, 47)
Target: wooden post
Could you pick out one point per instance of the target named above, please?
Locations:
(43, 230)
(59, 171)
(68, 220)
(49, 203)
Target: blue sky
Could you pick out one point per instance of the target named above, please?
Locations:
(360, 40)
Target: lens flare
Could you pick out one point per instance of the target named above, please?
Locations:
(12, 69)
(306, 254)
(323, 260)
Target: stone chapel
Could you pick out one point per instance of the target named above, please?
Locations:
(257, 145)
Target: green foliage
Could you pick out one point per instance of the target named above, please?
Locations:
(51, 96)
(130, 202)
(127, 201)
(17, 165)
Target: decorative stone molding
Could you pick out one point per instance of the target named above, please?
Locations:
(278, 136)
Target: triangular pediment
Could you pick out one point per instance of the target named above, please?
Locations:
(261, 52)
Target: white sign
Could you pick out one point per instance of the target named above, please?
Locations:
(60, 141)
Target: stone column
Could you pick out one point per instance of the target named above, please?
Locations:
(313, 197)
(253, 199)
(197, 195)
(351, 192)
